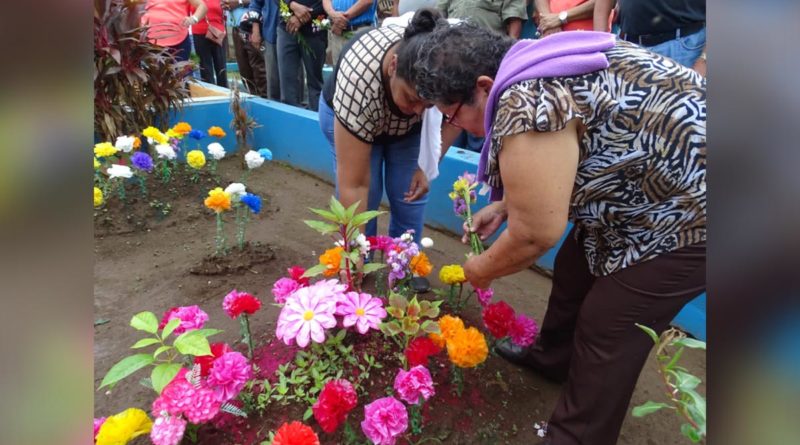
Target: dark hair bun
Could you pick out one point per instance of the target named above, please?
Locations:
(425, 20)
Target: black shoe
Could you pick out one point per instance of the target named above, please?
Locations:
(420, 285)
(522, 357)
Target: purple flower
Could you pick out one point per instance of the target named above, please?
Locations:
(142, 161)
(399, 256)
(485, 296)
(459, 206)
(228, 375)
(414, 385)
(283, 288)
(362, 311)
(384, 420)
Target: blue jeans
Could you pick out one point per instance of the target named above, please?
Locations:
(684, 50)
(392, 166)
(290, 55)
(184, 49)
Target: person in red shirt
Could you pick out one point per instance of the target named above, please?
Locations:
(553, 16)
(213, 57)
(168, 23)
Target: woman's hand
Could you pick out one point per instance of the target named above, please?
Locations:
(292, 25)
(302, 12)
(486, 221)
(419, 186)
(188, 21)
(549, 24)
(473, 274)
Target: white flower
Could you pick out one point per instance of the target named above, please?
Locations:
(426, 242)
(236, 190)
(406, 237)
(325, 23)
(363, 244)
(124, 144)
(253, 159)
(119, 171)
(165, 151)
(216, 151)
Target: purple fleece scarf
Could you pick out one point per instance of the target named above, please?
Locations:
(568, 53)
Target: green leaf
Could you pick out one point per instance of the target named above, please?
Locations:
(428, 310)
(410, 327)
(337, 208)
(163, 374)
(395, 312)
(350, 212)
(170, 327)
(413, 309)
(126, 367)
(307, 415)
(314, 271)
(340, 335)
(690, 432)
(649, 332)
(143, 343)
(398, 301)
(365, 217)
(391, 328)
(372, 267)
(161, 350)
(648, 407)
(430, 327)
(675, 359)
(327, 215)
(145, 321)
(690, 343)
(322, 227)
(192, 343)
(686, 381)
(207, 332)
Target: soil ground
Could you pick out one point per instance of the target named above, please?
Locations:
(147, 261)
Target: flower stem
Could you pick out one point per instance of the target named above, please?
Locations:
(246, 337)
(220, 248)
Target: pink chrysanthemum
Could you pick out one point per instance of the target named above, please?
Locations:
(485, 296)
(228, 375)
(167, 430)
(362, 310)
(97, 424)
(523, 330)
(192, 317)
(414, 385)
(307, 314)
(384, 420)
(199, 405)
(283, 288)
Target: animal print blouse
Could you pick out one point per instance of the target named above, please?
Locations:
(640, 189)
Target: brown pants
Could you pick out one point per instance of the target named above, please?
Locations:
(251, 65)
(589, 340)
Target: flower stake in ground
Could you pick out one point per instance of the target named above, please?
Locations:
(219, 201)
(166, 160)
(253, 159)
(244, 204)
(196, 160)
(238, 305)
(118, 174)
(143, 164)
(463, 196)
(453, 276)
(215, 153)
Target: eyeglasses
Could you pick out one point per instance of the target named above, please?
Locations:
(450, 119)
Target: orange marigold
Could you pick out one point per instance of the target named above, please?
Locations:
(218, 200)
(449, 326)
(182, 128)
(216, 132)
(467, 348)
(332, 258)
(137, 142)
(421, 265)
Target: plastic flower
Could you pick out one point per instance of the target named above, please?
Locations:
(192, 317)
(421, 265)
(419, 351)
(119, 171)
(218, 200)
(216, 132)
(196, 159)
(142, 161)
(228, 375)
(448, 326)
(198, 404)
(168, 430)
(308, 312)
(104, 150)
(380, 242)
(332, 290)
(485, 296)
(121, 428)
(362, 311)
(265, 153)
(197, 134)
(295, 433)
(96, 164)
(236, 190)
(283, 288)
(182, 128)
(296, 272)
(136, 142)
(165, 151)
(498, 318)
(332, 259)
(335, 401)
(206, 361)
(98, 197)
(216, 151)
(426, 242)
(467, 348)
(452, 274)
(237, 303)
(253, 202)
(153, 134)
(459, 206)
(173, 135)
(384, 420)
(97, 424)
(253, 159)
(415, 385)
(523, 330)
(363, 244)
(124, 143)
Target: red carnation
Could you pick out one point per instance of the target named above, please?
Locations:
(336, 400)
(295, 433)
(206, 361)
(498, 318)
(419, 351)
(237, 303)
(296, 272)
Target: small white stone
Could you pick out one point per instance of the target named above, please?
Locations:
(426, 242)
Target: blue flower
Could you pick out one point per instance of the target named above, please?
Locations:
(252, 201)
(142, 161)
(265, 153)
(197, 134)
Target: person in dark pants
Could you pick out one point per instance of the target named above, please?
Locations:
(299, 42)
(213, 57)
(580, 126)
(249, 58)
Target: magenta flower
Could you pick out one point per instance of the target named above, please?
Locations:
(283, 288)
(307, 313)
(198, 404)
(192, 317)
(414, 385)
(523, 330)
(167, 430)
(228, 375)
(485, 296)
(361, 310)
(97, 424)
(384, 420)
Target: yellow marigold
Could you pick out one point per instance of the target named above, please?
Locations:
(332, 259)
(104, 149)
(421, 265)
(137, 142)
(121, 428)
(218, 200)
(467, 348)
(452, 274)
(96, 164)
(216, 132)
(461, 185)
(98, 197)
(155, 134)
(196, 159)
(182, 128)
(449, 326)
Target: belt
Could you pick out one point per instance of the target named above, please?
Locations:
(656, 39)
